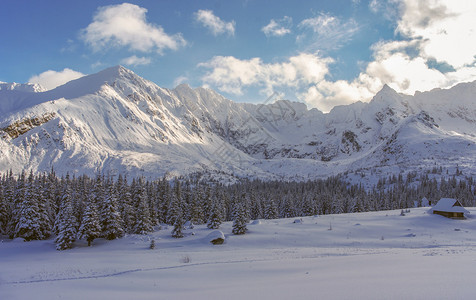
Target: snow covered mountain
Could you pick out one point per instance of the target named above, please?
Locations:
(117, 122)
(27, 87)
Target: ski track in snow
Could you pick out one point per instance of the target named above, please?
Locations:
(430, 250)
(184, 265)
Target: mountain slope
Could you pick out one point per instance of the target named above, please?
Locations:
(115, 121)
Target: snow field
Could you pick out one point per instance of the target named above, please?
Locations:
(374, 255)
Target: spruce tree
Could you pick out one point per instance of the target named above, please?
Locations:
(177, 232)
(143, 224)
(215, 219)
(90, 228)
(111, 221)
(175, 209)
(127, 212)
(65, 223)
(197, 214)
(239, 222)
(17, 200)
(28, 223)
(271, 210)
(8, 196)
(3, 211)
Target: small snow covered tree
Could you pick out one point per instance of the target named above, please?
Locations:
(44, 215)
(215, 219)
(239, 222)
(177, 232)
(90, 228)
(197, 215)
(28, 224)
(65, 223)
(174, 209)
(111, 221)
(3, 212)
(125, 205)
(143, 224)
(18, 194)
(271, 210)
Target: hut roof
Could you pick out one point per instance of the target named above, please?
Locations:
(449, 205)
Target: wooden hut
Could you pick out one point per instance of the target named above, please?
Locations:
(450, 208)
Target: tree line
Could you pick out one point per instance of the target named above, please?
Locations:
(39, 206)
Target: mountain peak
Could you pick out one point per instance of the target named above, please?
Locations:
(386, 95)
(387, 89)
(92, 83)
(183, 86)
(112, 73)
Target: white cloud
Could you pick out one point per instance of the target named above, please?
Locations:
(279, 27)
(433, 47)
(326, 32)
(389, 9)
(125, 25)
(214, 23)
(179, 80)
(51, 79)
(375, 6)
(447, 29)
(136, 61)
(434, 31)
(231, 75)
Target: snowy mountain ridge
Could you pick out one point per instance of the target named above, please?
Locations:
(25, 87)
(115, 121)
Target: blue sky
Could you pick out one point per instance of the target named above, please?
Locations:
(323, 53)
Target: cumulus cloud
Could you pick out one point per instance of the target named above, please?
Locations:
(447, 29)
(125, 25)
(231, 75)
(438, 50)
(279, 27)
(51, 79)
(136, 61)
(433, 47)
(216, 25)
(326, 32)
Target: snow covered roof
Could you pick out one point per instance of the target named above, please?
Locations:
(449, 205)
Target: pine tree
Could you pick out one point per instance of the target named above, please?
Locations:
(111, 221)
(127, 212)
(90, 228)
(197, 214)
(152, 203)
(50, 184)
(142, 225)
(65, 223)
(43, 211)
(271, 210)
(215, 219)
(28, 224)
(177, 232)
(174, 210)
(17, 199)
(163, 200)
(8, 196)
(239, 222)
(3, 211)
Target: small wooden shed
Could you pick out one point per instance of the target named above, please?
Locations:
(450, 208)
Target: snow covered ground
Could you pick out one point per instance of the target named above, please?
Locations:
(375, 255)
